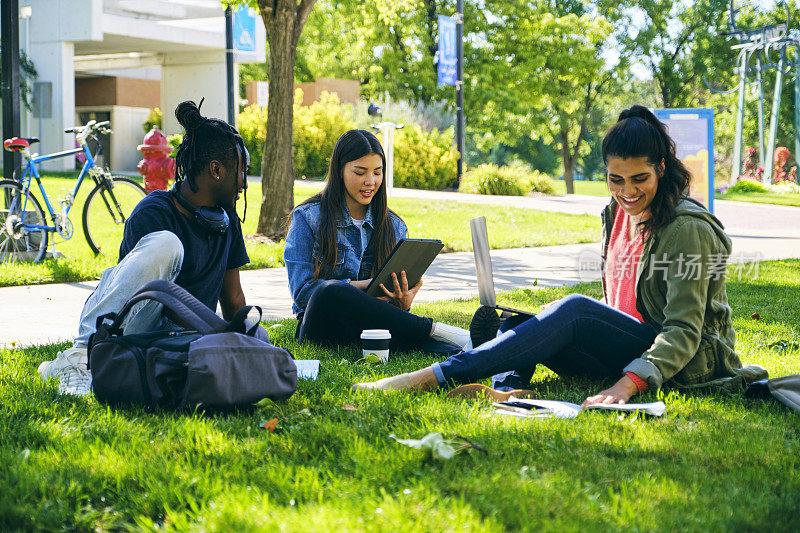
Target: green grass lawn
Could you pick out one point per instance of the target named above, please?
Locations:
(714, 462)
(590, 188)
(448, 221)
(761, 198)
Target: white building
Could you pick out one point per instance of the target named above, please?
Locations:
(116, 59)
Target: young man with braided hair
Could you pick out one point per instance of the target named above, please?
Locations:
(190, 235)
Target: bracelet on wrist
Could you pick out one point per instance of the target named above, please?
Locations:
(641, 385)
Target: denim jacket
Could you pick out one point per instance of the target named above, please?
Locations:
(302, 247)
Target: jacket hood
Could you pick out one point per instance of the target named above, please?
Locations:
(690, 207)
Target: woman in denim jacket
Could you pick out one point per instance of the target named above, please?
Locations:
(666, 317)
(337, 240)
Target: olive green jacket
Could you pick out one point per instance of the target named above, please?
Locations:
(680, 292)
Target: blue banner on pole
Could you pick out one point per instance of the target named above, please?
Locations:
(244, 29)
(447, 51)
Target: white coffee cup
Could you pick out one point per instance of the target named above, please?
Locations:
(376, 341)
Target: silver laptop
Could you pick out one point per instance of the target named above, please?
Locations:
(483, 267)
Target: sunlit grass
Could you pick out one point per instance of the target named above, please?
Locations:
(761, 198)
(590, 188)
(714, 462)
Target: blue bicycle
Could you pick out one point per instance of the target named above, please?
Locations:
(24, 231)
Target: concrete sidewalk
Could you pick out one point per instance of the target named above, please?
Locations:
(739, 218)
(43, 314)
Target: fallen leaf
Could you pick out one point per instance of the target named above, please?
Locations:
(348, 407)
(755, 316)
(370, 358)
(782, 346)
(432, 443)
(270, 424)
(264, 402)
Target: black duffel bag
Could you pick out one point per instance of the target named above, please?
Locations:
(212, 364)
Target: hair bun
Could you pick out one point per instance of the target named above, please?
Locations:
(638, 111)
(188, 115)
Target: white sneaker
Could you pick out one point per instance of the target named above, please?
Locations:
(76, 380)
(69, 357)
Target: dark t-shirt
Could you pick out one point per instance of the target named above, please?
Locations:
(206, 255)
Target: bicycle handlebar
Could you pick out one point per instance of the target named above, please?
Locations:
(81, 132)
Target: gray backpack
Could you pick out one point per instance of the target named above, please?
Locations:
(212, 364)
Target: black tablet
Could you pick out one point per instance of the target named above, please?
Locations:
(412, 255)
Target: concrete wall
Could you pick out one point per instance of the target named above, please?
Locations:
(192, 77)
(128, 133)
(55, 26)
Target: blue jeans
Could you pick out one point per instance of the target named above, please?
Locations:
(575, 336)
(157, 256)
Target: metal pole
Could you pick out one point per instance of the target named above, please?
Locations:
(9, 40)
(229, 66)
(773, 122)
(759, 71)
(737, 144)
(460, 86)
(25, 15)
(388, 135)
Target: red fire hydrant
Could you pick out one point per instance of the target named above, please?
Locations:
(156, 167)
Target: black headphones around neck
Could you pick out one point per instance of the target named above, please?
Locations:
(212, 219)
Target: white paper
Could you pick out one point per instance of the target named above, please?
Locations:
(307, 368)
(571, 410)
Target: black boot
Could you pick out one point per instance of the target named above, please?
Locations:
(484, 325)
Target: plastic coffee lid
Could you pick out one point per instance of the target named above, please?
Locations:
(376, 334)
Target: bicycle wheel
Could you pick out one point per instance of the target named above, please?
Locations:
(106, 210)
(19, 211)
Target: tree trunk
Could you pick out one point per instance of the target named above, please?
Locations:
(569, 171)
(284, 21)
(568, 161)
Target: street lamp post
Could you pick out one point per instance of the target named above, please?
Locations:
(459, 18)
(387, 133)
(229, 66)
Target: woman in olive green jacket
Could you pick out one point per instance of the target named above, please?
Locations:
(666, 316)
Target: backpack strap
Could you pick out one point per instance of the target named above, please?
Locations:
(237, 323)
(187, 310)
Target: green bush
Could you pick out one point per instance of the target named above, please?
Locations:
(514, 180)
(424, 159)
(491, 179)
(542, 183)
(174, 141)
(153, 120)
(253, 129)
(748, 186)
(537, 182)
(316, 129)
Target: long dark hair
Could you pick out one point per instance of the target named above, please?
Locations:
(638, 133)
(352, 145)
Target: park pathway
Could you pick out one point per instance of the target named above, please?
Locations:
(739, 218)
(42, 314)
